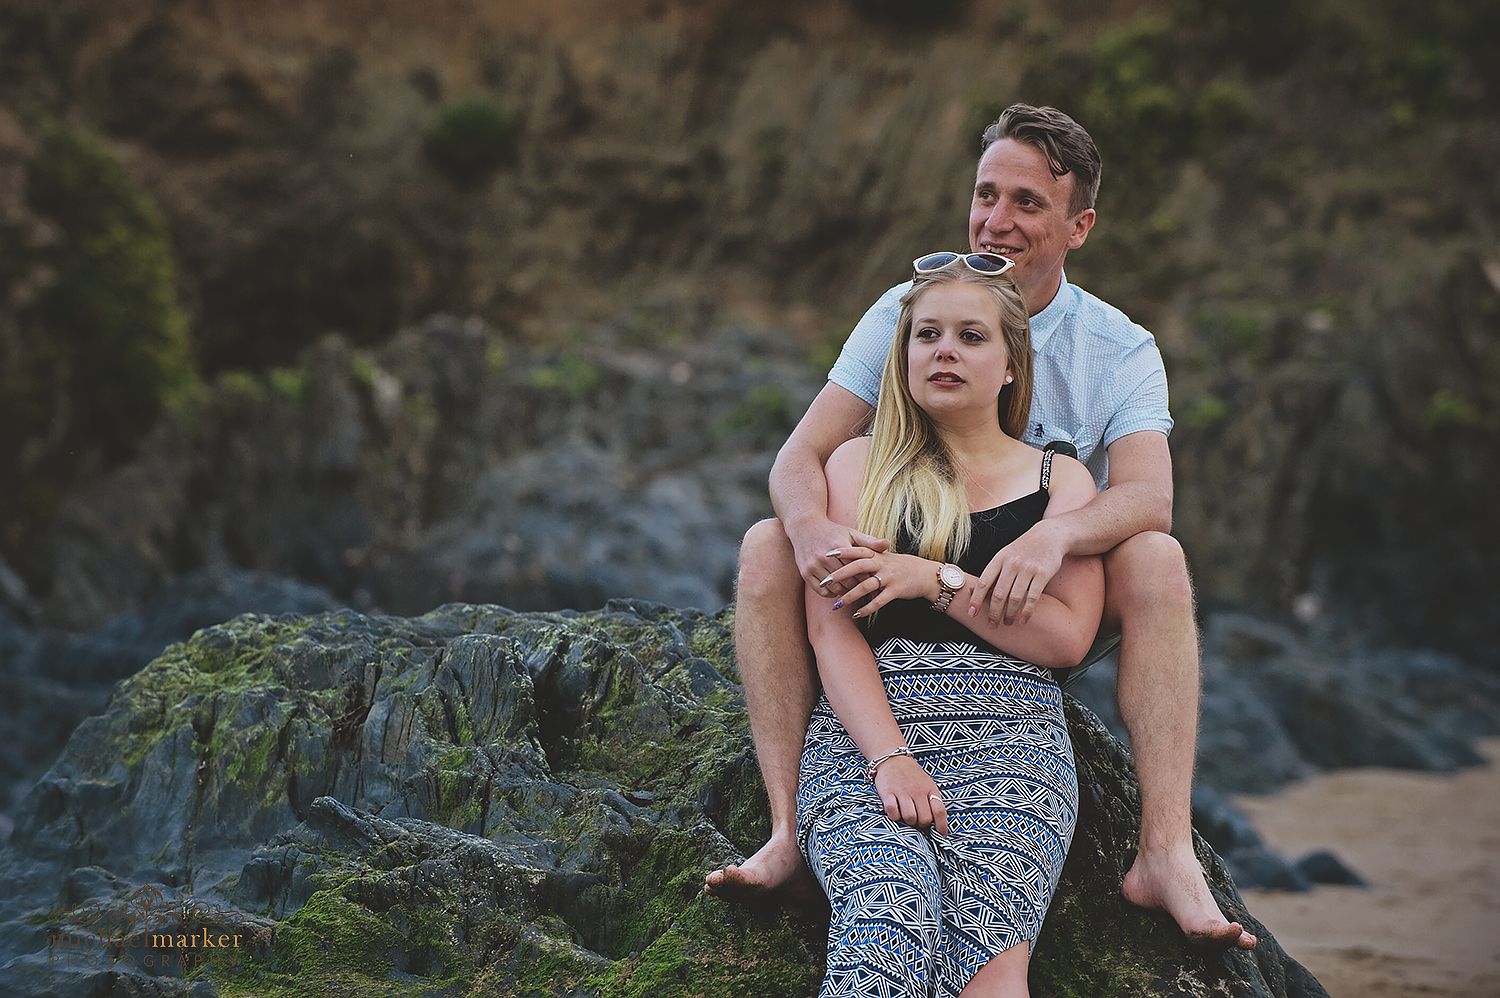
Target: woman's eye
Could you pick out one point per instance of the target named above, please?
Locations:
(972, 335)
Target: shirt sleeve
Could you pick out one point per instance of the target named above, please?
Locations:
(1140, 388)
(862, 360)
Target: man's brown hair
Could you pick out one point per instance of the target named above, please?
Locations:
(1068, 148)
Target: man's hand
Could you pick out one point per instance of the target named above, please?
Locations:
(823, 551)
(1014, 579)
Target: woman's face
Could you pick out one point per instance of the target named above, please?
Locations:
(956, 356)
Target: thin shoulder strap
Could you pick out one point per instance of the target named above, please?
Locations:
(1054, 447)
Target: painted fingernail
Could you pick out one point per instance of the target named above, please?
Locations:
(825, 582)
(839, 605)
(831, 554)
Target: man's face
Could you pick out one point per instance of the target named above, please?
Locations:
(1020, 210)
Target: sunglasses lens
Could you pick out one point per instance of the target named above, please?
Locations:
(934, 261)
(988, 263)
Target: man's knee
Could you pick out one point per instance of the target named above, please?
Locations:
(768, 566)
(1148, 569)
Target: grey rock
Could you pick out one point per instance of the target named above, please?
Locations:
(1323, 867)
(479, 797)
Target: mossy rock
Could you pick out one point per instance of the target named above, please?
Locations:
(483, 802)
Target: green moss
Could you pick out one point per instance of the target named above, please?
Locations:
(472, 138)
(248, 769)
(458, 804)
(1204, 412)
(763, 409)
(714, 948)
(569, 373)
(233, 656)
(241, 385)
(422, 412)
(1448, 410)
(331, 945)
(362, 368)
(656, 891)
(548, 971)
(496, 357)
(291, 382)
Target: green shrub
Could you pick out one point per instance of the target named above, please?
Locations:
(103, 348)
(471, 138)
(113, 308)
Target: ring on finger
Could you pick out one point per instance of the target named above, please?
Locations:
(878, 582)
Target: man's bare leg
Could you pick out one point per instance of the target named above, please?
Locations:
(779, 678)
(1148, 592)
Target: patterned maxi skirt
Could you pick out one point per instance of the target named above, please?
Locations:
(915, 913)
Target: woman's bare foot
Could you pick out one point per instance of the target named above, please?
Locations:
(776, 868)
(1171, 880)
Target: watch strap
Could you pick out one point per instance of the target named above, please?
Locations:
(945, 593)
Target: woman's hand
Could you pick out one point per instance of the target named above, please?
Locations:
(887, 576)
(911, 796)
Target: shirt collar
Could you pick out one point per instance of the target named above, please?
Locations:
(1045, 322)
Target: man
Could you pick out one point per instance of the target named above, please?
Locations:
(1099, 384)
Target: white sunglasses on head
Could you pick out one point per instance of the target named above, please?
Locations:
(992, 264)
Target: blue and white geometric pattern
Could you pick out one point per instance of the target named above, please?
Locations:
(915, 913)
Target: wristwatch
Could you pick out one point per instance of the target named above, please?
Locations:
(950, 581)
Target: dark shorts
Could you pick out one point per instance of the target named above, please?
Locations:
(1103, 645)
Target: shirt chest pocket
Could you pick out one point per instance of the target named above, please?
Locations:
(1040, 433)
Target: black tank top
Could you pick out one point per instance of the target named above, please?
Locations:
(989, 531)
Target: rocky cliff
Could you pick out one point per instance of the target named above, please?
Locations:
(479, 802)
(1298, 199)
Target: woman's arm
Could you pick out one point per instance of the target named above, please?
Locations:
(1069, 609)
(851, 679)
(1066, 619)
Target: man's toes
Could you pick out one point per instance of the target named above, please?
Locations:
(1222, 937)
(717, 879)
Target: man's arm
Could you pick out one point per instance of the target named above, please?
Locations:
(799, 490)
(1139, 498)
(1066, 616)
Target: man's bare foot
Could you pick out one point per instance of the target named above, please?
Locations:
(1171, 880)
(775, 869)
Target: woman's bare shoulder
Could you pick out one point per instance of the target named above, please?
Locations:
(1071, 487)
(845, 470)
(849, 454)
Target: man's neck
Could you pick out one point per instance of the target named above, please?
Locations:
(1039, 298)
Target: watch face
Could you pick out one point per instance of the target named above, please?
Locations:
(952, 576)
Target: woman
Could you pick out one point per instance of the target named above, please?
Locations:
(937, 793)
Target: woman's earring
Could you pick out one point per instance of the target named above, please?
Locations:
(1009, 379)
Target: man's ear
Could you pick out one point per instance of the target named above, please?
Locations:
(1082, 223)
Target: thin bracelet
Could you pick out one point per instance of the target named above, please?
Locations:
(874, 765)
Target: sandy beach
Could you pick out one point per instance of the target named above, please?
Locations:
(1429, 845)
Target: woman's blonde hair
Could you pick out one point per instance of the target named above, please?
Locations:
(911, 481)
